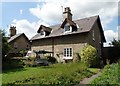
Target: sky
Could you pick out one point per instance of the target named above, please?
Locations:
(28, 16)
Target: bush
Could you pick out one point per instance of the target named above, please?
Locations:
(89, 56)
(29, 62)
(76, 57)
(10, 63)
(51, 59)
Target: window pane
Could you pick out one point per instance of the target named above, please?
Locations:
(65, 52)
(67, 55)
(68, 52)
(67, 28)
(42, 32)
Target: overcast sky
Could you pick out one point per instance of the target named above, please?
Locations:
(28, 16)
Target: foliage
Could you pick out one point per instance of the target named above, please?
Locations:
(89, 56)
(5, 45)
(12, 63)
(51, 59)
(29, 62)
(115, 49)
(57, 75)
(116, 43)
(23, 52)
(108, 77)
(76, 57)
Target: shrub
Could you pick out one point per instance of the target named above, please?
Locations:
(29, 62)
(89, 56)
(12, 63)
(51, 59)
(76, 57)
(109, 76)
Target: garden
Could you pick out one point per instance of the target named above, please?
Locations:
(110, 76)
(71, 73)
(25, 72)
(57, 74)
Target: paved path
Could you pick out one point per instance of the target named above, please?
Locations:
(86, 81)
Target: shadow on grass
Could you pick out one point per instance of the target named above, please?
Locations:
(24, 69)
(14, 70)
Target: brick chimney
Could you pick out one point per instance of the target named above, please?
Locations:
(12, 31)
(67, 13)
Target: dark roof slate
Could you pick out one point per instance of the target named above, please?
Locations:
(14, 37)
(83, 25)
(69, 21)
(42, 27)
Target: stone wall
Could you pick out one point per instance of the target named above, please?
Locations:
(57, 44)
(74, 41)
(22, 44)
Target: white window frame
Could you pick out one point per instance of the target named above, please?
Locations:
(68, 53)
(42, 33)
(68, 26)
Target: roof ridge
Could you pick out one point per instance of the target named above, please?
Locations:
(76, 20)
(86, 18)
(14, 37)
(83, 23)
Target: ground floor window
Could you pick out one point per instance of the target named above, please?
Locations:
(68, 52)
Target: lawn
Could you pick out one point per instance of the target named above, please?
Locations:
(58, 74)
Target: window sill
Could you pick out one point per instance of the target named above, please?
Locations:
(67, 57)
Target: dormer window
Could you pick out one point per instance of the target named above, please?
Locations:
(42, 33)
(67, 28)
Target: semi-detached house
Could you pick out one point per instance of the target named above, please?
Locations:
(69, 37)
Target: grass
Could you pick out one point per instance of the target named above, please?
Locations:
(109, 77)
(0, 79)
(58, 74)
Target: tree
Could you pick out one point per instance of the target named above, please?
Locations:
(5, 45)
(116, 43)
(114, 52)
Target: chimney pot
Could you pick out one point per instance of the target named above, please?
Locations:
(67, 14)
(12, 31)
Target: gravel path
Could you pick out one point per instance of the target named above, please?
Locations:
(86, 81)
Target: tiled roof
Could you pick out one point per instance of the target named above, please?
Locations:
(83, 25)
(14, 37)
